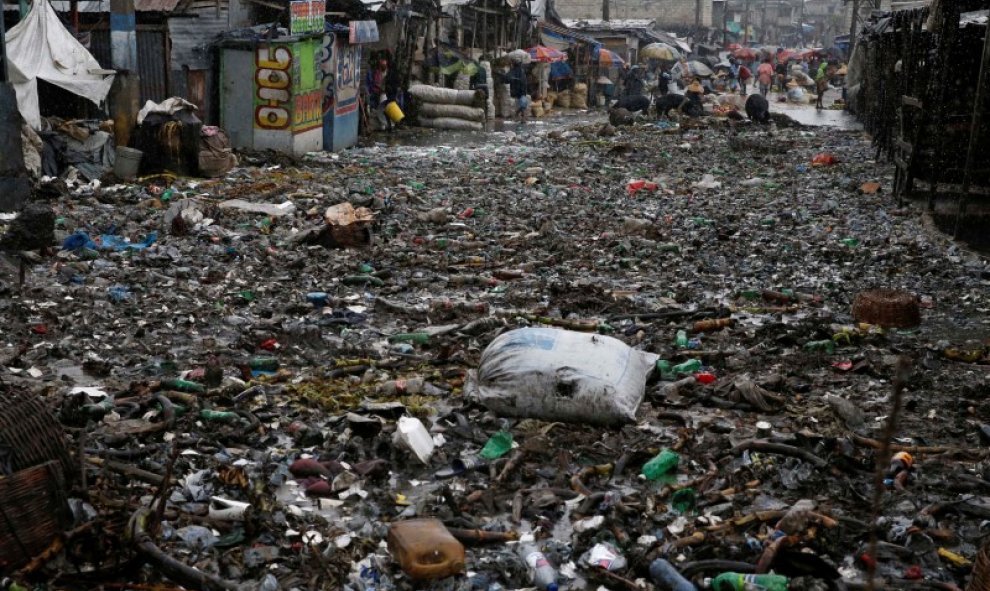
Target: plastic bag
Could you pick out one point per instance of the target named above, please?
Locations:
(561, 375)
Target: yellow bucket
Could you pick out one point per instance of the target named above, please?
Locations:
(394, 112)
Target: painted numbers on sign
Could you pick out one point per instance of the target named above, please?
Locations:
(273, 83)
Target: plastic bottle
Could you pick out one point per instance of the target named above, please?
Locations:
(496, 447)
(899, 470)
(663, 573)
(827, 345)
(219, 416)
(318, 298)
(740, 582)
(183, 386)
(420, 338)
(682, 339)
(666, 368)
(689, 366)
(264, 364)
(541, 572)
(662, 464)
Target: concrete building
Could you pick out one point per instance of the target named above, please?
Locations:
(665, 13)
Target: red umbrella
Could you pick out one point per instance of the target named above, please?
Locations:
(810, 54)
(733, 46)
(786, 54)
(744, 53)
(546, 54)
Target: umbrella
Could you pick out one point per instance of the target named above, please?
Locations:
(694, 68)
(660, 51)
(744, 53)
(609, 58)
(546, 54)
(733, 46)
(786, 55)
(810, 53)
(519, 55)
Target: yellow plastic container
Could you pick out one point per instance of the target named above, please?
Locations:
(425, 549)
(394, 112)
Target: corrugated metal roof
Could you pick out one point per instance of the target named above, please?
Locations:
(104, 5)
(155, 5)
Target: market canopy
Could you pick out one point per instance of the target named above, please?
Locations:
(608, 58)
(41, 48)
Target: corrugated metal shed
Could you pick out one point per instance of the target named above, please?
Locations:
(152, 59)
(192, 35)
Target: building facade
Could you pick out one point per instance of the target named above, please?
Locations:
(665, 13)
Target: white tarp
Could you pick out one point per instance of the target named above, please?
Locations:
(40, 47)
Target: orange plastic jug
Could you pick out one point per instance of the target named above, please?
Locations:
(425, 549)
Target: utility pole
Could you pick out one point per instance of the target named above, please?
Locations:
(126, 89)
(697, 15)
(763, 23)
(605, 10)
(852, 26)
(746, 25)
(725, 24)
(14, 186)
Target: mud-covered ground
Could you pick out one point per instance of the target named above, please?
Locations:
(535, 225)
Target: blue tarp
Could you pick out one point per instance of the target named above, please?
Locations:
(81, 239)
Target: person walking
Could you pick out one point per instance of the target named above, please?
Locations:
(745, 75)
(764, 75)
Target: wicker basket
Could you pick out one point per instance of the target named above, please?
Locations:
(33, 511)
(30, 435)
(889, 308)
(980, 581)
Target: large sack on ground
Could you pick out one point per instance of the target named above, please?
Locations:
(561, 375)
(447, 96)
(432, 110)
(451, 123)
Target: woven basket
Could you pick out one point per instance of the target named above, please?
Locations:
(980, 580)
(889, 308)
(30, 435)
(33, 511)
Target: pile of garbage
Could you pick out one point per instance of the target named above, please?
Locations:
(560, 359)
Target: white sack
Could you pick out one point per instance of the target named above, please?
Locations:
(451, 123)
(447, 96)
(561, 375)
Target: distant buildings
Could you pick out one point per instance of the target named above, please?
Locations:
(667, 14)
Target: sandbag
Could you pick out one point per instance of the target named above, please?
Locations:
(579, 96)
(451, 123)
(564, 99)
(536, 108)
(561, 375)
(433, 110)
(447, 96)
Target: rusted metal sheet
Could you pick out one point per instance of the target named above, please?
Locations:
(152, 46)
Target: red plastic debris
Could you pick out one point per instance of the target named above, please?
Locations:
(704, 377)
(824, 160)
(269, 344)
(913, 573)
(638, 185)
(39, 329)
(843, 365)
(466, 214)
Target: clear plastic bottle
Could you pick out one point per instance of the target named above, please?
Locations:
(542, 573)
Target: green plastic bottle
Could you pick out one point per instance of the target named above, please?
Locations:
(689, 366)
(496, 447)
(184, 386)
(682, 339)
(740, 582)
(220, 416)
(420, 338)
(827, 345)
(264, 364)
(665, 368)
(662, 465)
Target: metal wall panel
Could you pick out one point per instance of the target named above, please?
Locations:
(153, 59)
